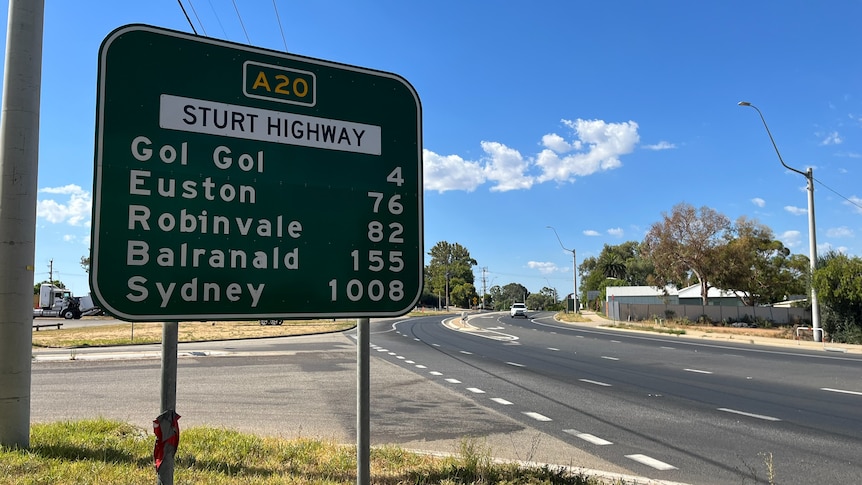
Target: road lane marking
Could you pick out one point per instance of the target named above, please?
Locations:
(400, 357)
(668, 348)
(750, 415)
(475, 390)
(698, 371)
(649, 461)
(842, 391)
(615, 341)
(382, 350)
(537, 416)
(610, 358)
(515, 364)
(435, 345)
(392, 353)
(409, 362)
(553, 349)
(465, 352)
(453, 381)
(420, 366)
(588, 437)
(435, 373)
(588, 381)
(500, 400)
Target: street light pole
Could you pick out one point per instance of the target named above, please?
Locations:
(574, 269)
(812, 237)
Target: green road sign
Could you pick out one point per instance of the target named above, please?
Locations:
(233, 183)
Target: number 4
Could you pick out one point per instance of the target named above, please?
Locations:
(395, 177)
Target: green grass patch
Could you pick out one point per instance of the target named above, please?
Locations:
(109, 452)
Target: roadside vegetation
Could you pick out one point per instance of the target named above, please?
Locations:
(102, 451)
(151, 332)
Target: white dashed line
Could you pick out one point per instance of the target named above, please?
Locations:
(392, 353)
(698, 371)
(382, 350)
(579, 336)
(465, 352)
(588, 437)
(842, 391)
(588, 381)
(453, 381)
(400, 357)
(515, 364)
(409, 362)
(420, 366)
(416, 340)
(615, 341)
(500, 400)
(669, 348)
(610, 358)
(646, 460)
(435, 373)
(553, 349)
(750, 415)
(475, 390)
(435, 345)
(537, 416)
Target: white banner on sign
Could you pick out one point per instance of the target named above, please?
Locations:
(213, 118)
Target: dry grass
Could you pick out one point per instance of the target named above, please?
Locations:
(122, 334)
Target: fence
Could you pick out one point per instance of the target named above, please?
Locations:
(715, 313)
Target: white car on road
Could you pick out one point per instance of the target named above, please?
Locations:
(518, 310)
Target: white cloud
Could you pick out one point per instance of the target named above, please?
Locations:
(824, 248)
(544, 267)
(596, 146)
(590, 232)
(796, 211)
(75, 209)
(505, 166)
(790, 239)
(832, 139)
(842, 231)
(450, 173)
(662, 145)
(559, 144)
(617, 232)
(604, 143)
(758, 202)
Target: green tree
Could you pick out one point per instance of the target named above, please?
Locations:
(837, 281)
(687, 243)
(85, 263)
(757, 267)
(545, 299)
(504, 296)
(449, 262)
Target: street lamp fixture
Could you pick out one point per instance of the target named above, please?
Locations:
(812, 238)
(574, 269)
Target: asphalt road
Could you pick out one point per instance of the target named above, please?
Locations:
(666, 407)
(655, 406)
(288, 387)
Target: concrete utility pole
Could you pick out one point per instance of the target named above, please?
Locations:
(812, 233)
(19, 155)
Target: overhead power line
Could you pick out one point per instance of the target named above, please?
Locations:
(248, 40)
(274, 6)
(183, 8)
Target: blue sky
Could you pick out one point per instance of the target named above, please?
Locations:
(592, 117)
